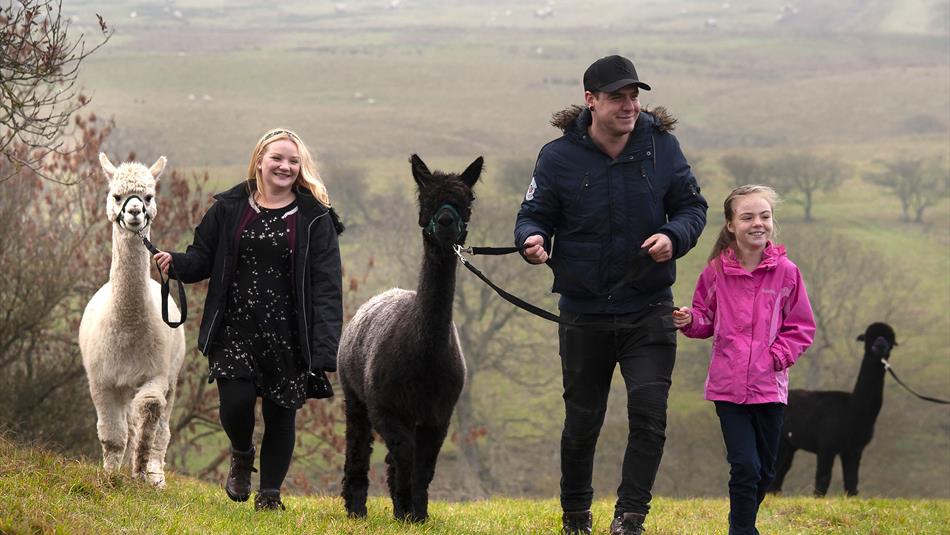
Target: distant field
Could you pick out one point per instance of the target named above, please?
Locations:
(373, 83)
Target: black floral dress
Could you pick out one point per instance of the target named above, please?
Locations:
(259, 336)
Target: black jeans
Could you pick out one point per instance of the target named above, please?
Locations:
(751, 434)
(238, 397)
(588, 358)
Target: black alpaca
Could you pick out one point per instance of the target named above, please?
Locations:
(400, 363)
(837, 423)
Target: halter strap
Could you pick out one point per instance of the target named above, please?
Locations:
(461, 227)
(121, 222)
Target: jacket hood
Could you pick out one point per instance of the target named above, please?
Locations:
(578, 117)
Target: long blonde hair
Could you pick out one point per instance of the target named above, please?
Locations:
(726, 239)
(308, 177)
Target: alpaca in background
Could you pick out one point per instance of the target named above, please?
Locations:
(832, 423)
(131, 356)
(400, 363)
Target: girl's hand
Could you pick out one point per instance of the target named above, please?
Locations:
(163, 260)
(682, 317)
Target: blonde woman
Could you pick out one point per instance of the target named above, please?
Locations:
(273, 312)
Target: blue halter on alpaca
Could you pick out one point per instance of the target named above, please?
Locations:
(461, 227)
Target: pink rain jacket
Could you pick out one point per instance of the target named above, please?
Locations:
(761, 322)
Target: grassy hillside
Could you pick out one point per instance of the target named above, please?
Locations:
(44, 493)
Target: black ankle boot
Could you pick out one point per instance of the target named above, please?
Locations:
(268, 500)
(577, 523)
(627, 524)
(238, 484)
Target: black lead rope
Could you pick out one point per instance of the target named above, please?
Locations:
(540, 312)
(887, 366)
(166, 286)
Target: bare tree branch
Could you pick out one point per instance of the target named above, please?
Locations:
(39, 63)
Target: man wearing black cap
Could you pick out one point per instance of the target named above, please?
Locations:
(612, 202)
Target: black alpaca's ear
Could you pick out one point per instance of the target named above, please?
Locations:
(420, 171)
(472, 172)
(861, 337)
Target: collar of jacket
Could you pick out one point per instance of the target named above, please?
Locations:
(770, 257)
(575, 122)
(306, 202)
(577, 119)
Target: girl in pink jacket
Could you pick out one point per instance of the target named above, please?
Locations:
(751, 299)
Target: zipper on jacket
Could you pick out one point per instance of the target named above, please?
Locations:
(204, 349)
(643, 172)
(582, 191)
(214, 318)
(303, 292)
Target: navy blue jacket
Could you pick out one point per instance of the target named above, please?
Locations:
(595, 212)
(317, 273)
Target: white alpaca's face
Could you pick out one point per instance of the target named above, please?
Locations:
(131, 201)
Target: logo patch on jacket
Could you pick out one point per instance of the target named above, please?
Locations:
(531, 189)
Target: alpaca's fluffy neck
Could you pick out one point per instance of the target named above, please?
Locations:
(868, 391)
(129, 273)
(436, 292)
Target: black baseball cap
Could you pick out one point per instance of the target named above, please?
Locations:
(610, 73)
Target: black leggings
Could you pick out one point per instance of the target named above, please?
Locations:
(238, 397)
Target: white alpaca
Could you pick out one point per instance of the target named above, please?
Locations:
(131, 356)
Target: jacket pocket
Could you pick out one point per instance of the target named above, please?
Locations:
(582, 195)
(578, 269)
(638, 171)
(721, 374)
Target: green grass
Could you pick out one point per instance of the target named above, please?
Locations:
(45, 493)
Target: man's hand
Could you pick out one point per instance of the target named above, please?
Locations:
(660, 247)
(534, 249)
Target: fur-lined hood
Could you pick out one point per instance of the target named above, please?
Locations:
(576, 116)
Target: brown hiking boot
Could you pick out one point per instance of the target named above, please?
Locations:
(268, 500)
(627, 524)
(238, 484)
(577, 523)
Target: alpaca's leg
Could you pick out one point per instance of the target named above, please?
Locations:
(111, 426)
(147, 407)
(428, 443)
(155, 469)
(786, 453)
(359, 448)
(399, 440)
(400, 506)
(399, 475)
(850, 461)
(826, 461)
